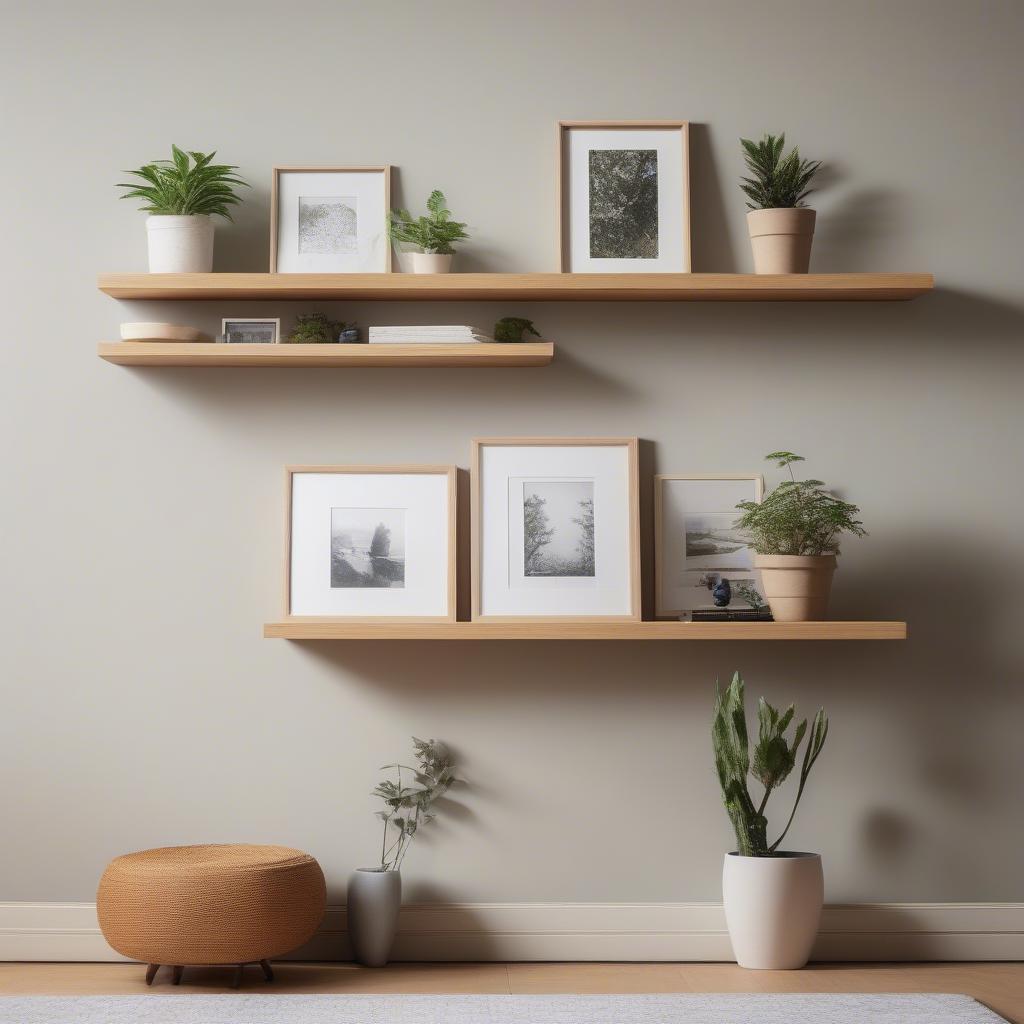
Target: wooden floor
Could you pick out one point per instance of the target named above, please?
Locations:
(999, 986)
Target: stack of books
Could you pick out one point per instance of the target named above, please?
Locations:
(433, 335)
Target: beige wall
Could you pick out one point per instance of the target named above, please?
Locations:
(142, 509)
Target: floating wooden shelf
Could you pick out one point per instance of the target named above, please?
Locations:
(533, 287)
(146, 353)
(328, 629)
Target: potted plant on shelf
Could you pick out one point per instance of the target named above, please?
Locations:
(433, 234)
(181, 196)
(375, 894)
(772, 897)
(795, 535)
(320, 329)
(781, 225)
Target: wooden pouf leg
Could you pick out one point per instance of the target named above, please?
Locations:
(178, 971)
(151, 973)
(268, 971)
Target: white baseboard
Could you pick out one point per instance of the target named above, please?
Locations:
(581, 931)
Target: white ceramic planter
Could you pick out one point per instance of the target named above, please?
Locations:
(797, 587)
(180, 245)
(374, 899)
(430, 263)
(772, 908)
(781, 240)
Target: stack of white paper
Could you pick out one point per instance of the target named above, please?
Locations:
(430, 335)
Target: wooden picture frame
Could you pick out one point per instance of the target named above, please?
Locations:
(275, 205)
(563, 128)
(228, 320)
(631, 574)
(450, 473)
(661, 611)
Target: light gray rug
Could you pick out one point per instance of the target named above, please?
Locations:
(497, 1009)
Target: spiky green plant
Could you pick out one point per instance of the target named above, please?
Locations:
(407, 807)
(774, 758)
(188, 183)
(434, 233)
(799, 517)
(776, 181)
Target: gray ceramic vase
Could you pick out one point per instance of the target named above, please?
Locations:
(374, 898)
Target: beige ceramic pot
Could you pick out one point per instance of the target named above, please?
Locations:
(431, 263)
(781, 240)
(797, 586)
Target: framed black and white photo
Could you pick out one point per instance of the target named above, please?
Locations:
(330, 220)
(555, 530)
(624, 196)
(371, 542)
(242, 330)
(697, 547)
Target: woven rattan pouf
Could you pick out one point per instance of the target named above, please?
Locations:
(190, 905)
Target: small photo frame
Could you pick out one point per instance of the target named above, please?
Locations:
(244, 330)
(371, 543)
(555, 529)
(624, 196)
(330, 220)
(696, 545)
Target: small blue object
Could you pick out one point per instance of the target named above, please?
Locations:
(722, 593)
(349, 336)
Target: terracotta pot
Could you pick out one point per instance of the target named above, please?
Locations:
(431, 263)
(781, 240)
(797, 586)
(772, 908)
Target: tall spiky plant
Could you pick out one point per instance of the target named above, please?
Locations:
(189, 183)
(771, 765)
(433, 233)
(776, 182)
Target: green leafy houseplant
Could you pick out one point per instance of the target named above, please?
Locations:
(316, 329)
(771, 764)
(408, 801)
(514, 329)
(799, 517)
(434, 234)
(188, 184)
(776, 181)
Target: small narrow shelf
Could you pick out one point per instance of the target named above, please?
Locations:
(328, 629)
(524, 287)
(147, 353)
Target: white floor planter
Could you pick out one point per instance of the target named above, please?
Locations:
(431, 263)
(374, 899)
(797, 587)
(781, 240)
(180, 245)
(772, 908)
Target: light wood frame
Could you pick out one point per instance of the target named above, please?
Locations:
(631, 444)
(563, 127)
(384, 169)
(451, 472)
(275, 320)
(659, 525)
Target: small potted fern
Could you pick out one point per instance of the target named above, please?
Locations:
(433, 235)
(181, 196)
(781, 225)
(772, 897)
(795, 533)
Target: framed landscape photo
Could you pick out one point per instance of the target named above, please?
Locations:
(330, 220)
(696, 545)
(371, 543)
(555, 529)
(243, 330)
(624, 196)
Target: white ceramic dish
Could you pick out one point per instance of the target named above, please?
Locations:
(160, 332)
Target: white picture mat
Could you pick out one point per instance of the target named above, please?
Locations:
(609, 593)
(424, 496)
(673, 227)
(369, 190)
(682, 498)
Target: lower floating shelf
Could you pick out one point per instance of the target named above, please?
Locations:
(333, 629)
(159, 353)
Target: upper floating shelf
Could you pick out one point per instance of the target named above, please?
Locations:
(533, 287)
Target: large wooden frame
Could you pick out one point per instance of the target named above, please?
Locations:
(659, 524)
(384, 169)
(631, 444)
(563, 205)
(452, 593)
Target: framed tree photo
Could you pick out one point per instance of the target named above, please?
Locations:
(624, 196)
(555, 530)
